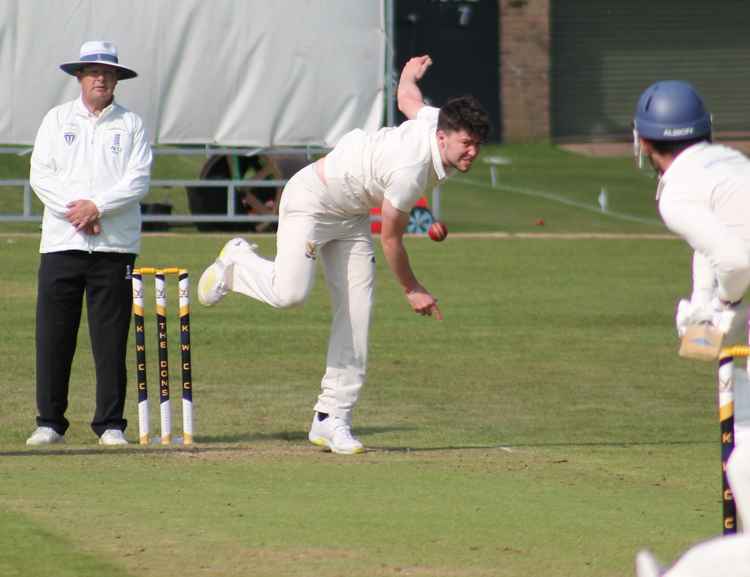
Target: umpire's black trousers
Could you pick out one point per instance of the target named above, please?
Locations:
(105, 279)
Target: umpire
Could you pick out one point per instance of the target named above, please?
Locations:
(90, 168)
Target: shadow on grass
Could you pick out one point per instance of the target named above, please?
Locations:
(293, 436)
(510, 447)
(238, 443)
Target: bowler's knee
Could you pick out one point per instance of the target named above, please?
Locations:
(292, 297)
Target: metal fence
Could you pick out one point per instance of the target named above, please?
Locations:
(231, 185)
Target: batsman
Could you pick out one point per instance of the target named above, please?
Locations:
(324, 214)
(703, 195)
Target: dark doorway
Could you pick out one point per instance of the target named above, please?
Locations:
(462, 38)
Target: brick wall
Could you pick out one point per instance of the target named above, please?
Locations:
(524, 69)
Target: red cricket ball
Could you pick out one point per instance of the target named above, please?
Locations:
(438, 231)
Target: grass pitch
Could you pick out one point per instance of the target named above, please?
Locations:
(545, 427)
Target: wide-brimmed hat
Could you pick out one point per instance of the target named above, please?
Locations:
(98, 52)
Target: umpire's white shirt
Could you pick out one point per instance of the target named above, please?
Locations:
(396, 163)
(704, 196)
(105, 159)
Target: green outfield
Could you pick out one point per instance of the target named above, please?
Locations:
(546, 427)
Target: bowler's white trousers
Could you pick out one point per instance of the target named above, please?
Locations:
(312, 226)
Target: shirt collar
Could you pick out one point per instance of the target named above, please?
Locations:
(84, 111)
(685, 156)
(437, 161)
(679, 160)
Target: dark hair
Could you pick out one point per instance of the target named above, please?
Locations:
(674, 147)
(464, 113)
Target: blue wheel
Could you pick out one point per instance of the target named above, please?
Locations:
(420, 219)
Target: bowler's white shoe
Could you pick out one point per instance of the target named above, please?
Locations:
(335, 434)
(113, 437)
(646, 565)
(233, 247)
(213, 284)
(44, 436)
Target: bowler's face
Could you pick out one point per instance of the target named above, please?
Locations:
(458, 149)
(97, 85)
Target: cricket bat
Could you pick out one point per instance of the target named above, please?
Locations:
(701, 342)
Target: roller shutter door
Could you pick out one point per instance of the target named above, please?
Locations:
(603, 53)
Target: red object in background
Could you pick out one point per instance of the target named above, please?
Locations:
(376, 225)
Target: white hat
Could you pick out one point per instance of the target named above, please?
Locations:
(98, 52)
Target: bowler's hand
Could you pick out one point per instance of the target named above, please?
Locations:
(82, 213)
(417, 66)
(424, 303)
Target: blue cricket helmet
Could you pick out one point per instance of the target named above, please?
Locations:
(671, 110)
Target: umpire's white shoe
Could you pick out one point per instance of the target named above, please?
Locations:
(113, 437)
(44, 436)
(646, 565)
(335, 434)
(213, 284)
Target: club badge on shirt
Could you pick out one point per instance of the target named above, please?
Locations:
(116, 148)
(69, 137)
